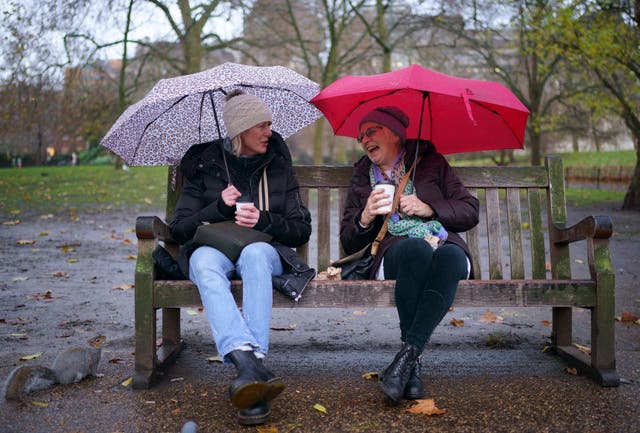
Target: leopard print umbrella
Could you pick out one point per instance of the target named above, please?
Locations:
(186, 110)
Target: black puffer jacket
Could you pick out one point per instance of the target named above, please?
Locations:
(287, 219)
(436, 185)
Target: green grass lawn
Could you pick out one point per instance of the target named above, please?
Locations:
(68, 190)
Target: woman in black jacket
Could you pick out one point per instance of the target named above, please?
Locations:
(259, 171)
(421, 250)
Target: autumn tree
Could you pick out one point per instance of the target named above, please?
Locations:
(602, 39)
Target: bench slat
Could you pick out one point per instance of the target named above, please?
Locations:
(536, 233)
(494, 233)
(514, 219)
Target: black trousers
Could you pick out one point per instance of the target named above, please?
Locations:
(426, 284)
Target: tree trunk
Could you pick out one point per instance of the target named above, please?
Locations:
(317, 143)
(632, 197)
(535, 141)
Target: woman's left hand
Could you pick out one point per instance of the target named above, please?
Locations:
(248, 216)
(412, 205)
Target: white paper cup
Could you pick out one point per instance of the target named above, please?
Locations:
(243, 204)
(389, 189)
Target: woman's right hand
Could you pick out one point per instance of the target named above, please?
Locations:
(230, 195)
(377, 200)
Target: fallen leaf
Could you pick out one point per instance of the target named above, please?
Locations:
(177, 379)
(128, 382)
(131, 257)
(19, 279)
(126, 241)
(40, 403)
(489, 317)
(43, 234)
(284, 328)
(72, 260)
(584, 349)
(25, 242)
(216, 358)
(546, 348)
(267, 429)
(627, 317)
(11, 222)
(60, 274)
(426, 406)
(570, 370)
(124, 287)
(320, 408)
(46, 295)
(579, 261)
(175, 411)
(546, 323)
(457, 323)
(191, 312)
(47, 216)
(372, 375)
(359, 313)
(115, 361)
(30, 357)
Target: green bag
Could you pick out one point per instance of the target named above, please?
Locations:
(228, 237)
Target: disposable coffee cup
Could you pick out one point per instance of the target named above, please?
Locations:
(389, 189)
(243, 203)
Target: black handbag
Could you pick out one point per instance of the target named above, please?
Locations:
(358, 266)
(228, 237)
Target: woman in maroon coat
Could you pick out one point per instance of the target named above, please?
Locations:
(422, 250)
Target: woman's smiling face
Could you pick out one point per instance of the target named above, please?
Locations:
(381, 145)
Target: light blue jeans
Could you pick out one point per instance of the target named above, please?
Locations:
(211, 270)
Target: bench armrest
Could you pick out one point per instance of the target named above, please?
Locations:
(593, 227)
(152, 227)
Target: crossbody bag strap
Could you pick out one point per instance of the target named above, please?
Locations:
(396, 200)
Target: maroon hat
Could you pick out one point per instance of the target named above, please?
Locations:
(391, 117)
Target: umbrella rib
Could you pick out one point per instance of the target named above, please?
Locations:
(491, 110)
(135, 152)
(365, 102)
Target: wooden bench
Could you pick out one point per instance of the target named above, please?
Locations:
(520, 247)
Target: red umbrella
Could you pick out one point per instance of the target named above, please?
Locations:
(455, 114)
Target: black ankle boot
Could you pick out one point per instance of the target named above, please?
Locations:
(414, 388)
(396, 375)
(254, 382)
(256, 414)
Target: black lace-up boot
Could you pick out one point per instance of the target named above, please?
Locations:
(396, 375)
(254, 383)
(414, 388)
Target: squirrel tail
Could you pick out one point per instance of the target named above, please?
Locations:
(28, 378)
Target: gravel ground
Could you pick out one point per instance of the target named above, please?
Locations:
(75, 281)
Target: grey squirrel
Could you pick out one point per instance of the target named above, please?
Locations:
(71, 365)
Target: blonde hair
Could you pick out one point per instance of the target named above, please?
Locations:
(236, 145)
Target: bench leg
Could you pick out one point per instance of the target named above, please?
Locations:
(601, 365)
(145, 333)
(172, 345)
(562, 326)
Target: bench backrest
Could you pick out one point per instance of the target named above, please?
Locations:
(519, 207)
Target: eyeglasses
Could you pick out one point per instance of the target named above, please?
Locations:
(368, 133)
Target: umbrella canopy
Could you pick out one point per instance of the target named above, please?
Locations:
(455, 114)
(186, 110)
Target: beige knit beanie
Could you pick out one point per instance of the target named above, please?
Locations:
(243, 111)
